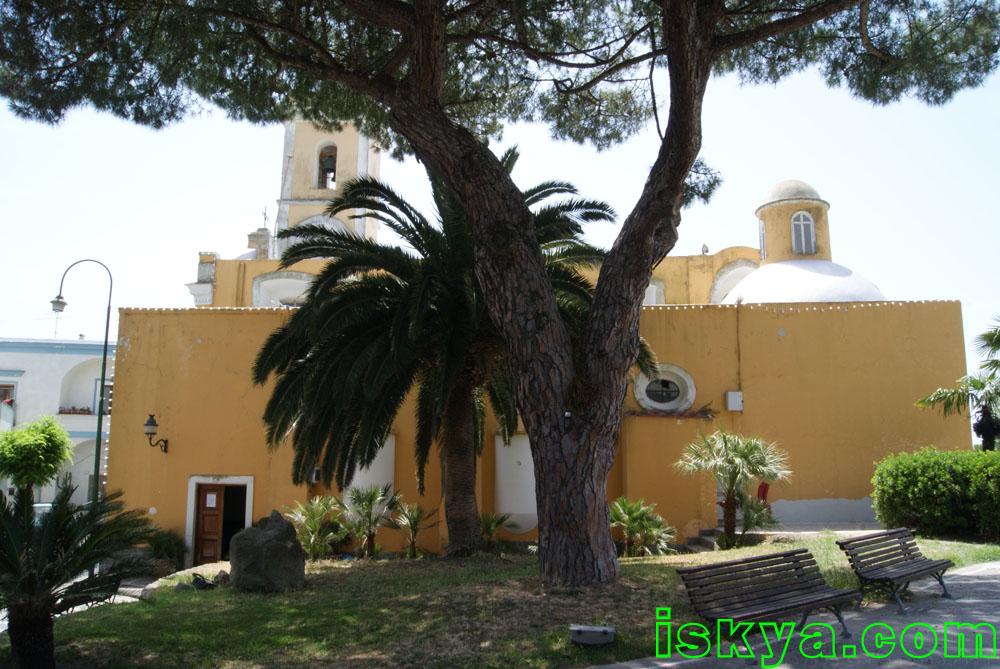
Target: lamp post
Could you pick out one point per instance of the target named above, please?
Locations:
(58, 305)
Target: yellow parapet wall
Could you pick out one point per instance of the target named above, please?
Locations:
(832, 384)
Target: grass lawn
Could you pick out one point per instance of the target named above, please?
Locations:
(482, 612)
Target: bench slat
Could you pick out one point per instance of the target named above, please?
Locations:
(750, 590)
(924, 568)
(794, 579)
(708, 580)
(746, 563)
(876, 537)
(780, 607)
(757, 598)
(885, 559)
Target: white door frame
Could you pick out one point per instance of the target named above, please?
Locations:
(192, 507)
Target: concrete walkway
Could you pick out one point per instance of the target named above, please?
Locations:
(878, 629)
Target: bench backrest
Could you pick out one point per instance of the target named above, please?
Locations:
(882, 549)
(721, 586)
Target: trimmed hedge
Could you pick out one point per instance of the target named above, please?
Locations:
(940, 493)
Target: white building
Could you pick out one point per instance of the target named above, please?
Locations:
(48, 377)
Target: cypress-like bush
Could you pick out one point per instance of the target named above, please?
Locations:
(940, 493)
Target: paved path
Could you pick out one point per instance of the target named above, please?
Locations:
(976, 599)
(128, 592)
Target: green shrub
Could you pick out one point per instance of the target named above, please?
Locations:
(986, 492)
(34, 454)
(645, 531)
(167, 545)
(939, 493)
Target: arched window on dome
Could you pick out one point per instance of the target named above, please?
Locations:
(327, 168)
(803, 233)
(763, 240)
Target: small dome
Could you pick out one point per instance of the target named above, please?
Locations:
(791, 189)
(803, 281)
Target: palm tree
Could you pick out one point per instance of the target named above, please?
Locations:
(367, 509)
(45, 562)
(988, 344)
(314, 528)
(981, 391)
(978, 390)
(735, 462)
(641, 527)
(411, 520)
(379, 320)
(490, 525)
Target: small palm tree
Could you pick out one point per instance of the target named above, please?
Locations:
(641, 527)
(367, 509)
(980, 391)
(411, 520)
(45, 562)
(735, 462)
(316, 530)
(988, 344)
(490, 525)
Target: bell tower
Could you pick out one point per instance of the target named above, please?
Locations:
(315, 163)
(793, 224)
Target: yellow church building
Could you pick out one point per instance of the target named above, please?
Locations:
(779, 342)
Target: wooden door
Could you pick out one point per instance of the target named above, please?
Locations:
(208, 536)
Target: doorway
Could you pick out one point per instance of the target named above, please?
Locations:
(221, 513)
(194, 502)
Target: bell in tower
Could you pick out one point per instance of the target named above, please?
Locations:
(328, 168)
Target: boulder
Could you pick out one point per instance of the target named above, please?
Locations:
(267, 558)
(222, 578)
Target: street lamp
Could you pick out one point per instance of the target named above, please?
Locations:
(58, 305)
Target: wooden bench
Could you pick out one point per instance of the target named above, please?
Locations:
(763, 588)
(889, 560)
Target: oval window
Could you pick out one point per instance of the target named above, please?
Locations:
(662, 391)
(673, 391)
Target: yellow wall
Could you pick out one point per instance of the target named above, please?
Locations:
(234, 278)
(832, 384)
(689, 279)
(192, 369)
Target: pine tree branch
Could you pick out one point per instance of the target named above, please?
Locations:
(866, 39)
(803, 19)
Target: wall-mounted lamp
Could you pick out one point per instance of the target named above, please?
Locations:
(149, 428)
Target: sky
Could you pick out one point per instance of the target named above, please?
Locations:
(912, 191)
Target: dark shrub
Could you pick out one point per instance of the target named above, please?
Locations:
(167, 545)
(986, 492)
(939, 493)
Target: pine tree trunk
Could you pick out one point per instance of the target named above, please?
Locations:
(31, 641)
(461, 511)
(569, 392)
(575, 546)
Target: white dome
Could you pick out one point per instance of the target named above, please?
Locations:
(803, 281)
(791, 189)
